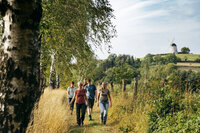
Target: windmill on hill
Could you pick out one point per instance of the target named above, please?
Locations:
(173, 47)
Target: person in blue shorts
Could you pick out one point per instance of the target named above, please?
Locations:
(91, 93)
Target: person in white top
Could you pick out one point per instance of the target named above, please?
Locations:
(71, 91)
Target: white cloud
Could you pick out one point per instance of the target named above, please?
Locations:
(136, 7)
(151, 14)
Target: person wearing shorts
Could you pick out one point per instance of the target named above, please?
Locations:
(71, 91)
(91, 92)
(103, 96)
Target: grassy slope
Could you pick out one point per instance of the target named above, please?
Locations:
(188, 66)
(183, 68)
(189, 57)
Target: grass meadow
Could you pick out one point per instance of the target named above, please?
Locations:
(188, 57)
(50, 114)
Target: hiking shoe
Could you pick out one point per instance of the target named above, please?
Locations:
(90, 117)
(82, 123)
(104, 122)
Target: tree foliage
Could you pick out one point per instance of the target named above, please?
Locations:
(115, 68)
(150, 59)
(185, 50)
(71, 28)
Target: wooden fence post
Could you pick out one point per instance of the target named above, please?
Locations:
(111, 86)
(123, 85)
(135, 88)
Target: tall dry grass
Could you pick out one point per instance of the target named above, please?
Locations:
(130, 115)
(51, 114)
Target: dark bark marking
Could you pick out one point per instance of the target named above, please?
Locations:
(9, 37)
(4, 39)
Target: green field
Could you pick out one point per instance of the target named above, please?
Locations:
(195, 69)
(188, 57)
(186, 66)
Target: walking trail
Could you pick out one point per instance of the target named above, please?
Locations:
(93, 126)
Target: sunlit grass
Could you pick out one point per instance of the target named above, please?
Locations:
(51, 115)
(188, 57)
(128, 114)
(188, 64)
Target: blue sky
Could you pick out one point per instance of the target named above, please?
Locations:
(147, 26)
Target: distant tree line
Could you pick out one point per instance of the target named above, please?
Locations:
(160, 68)
(160, 59)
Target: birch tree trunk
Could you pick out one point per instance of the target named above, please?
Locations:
(52, 76)
(57, 80)
(19, 63)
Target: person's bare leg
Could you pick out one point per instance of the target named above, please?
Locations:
(89, 111)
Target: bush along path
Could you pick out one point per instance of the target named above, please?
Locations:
(93, 126)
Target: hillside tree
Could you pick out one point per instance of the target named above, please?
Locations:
(185, 50)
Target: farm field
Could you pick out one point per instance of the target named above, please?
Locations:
(184, 66)
(188, 57)
(188, 64)
(183, 57)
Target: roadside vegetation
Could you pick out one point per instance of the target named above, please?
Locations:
(170, 105)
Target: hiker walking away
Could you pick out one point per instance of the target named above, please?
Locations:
(91, 95)
(103, 96)
(71, 91)
(81, 103)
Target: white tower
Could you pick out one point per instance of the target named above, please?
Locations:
(174, 48)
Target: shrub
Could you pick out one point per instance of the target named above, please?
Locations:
(170, 114)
